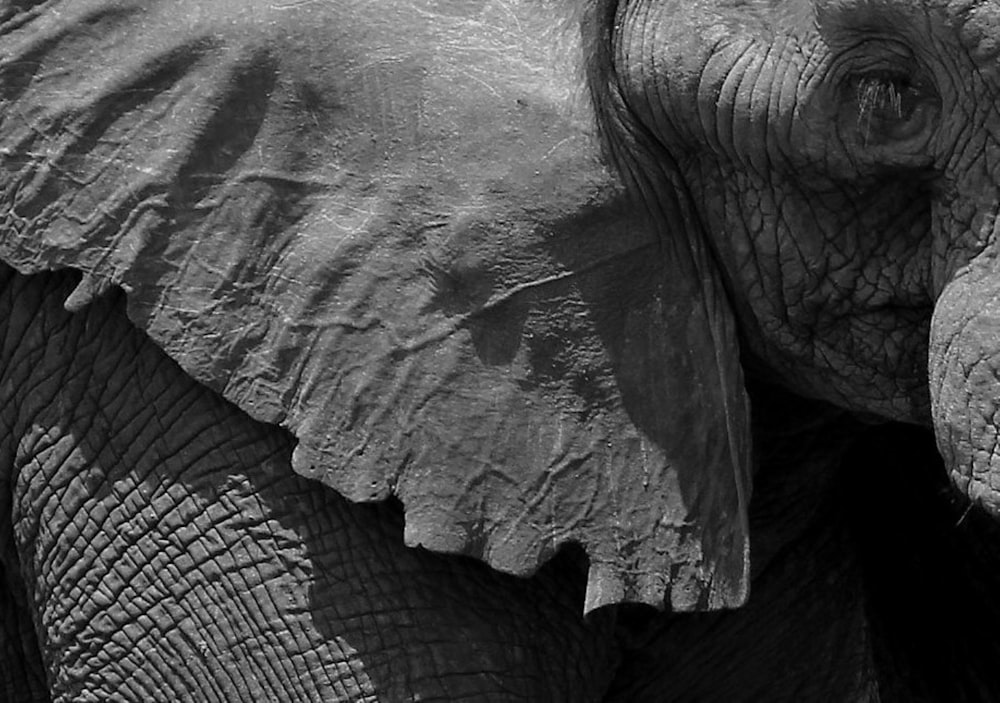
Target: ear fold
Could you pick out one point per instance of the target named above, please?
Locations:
(431, 280)
(600, 403)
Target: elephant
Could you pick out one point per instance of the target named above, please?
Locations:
(498, 350)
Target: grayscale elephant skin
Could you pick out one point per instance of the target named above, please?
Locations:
(412, 350)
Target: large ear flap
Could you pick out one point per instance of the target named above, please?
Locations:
(415, 262)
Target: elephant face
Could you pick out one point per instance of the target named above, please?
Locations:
(814, 146)
(499, 259)
(841, 157)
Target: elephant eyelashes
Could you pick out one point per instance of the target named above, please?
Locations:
(877, 99)
(889, 108)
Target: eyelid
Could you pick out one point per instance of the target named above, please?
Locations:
(902, 92)
(880, 111)
(876, 91)
(873, 56)
(891, 129)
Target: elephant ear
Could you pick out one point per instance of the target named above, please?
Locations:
(401, 244)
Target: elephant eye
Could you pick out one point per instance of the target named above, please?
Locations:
(889, 107)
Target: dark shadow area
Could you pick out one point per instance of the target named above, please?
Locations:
(800, 637)
(447, 627)
(22, 673)
(932, 571)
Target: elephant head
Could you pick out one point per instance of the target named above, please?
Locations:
(842, 156)
(508, 261)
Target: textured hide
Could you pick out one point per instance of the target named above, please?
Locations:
(390, 228)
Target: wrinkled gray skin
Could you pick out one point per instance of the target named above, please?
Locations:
(618, 223)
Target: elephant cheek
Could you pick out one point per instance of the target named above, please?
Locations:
(964, 366)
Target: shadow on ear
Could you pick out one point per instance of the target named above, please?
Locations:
(432, 281)
(673, 355)
(574, 383)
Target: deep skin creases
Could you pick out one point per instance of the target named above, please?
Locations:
(135, 526)
(815, 201)
(770, 119)
(166, 551)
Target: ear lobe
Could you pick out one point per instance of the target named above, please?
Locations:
(681, 382)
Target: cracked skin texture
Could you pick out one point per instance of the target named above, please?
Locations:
(167, 552)
(393, 232)
(164, 550)
(161, 548)
(513, 277)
